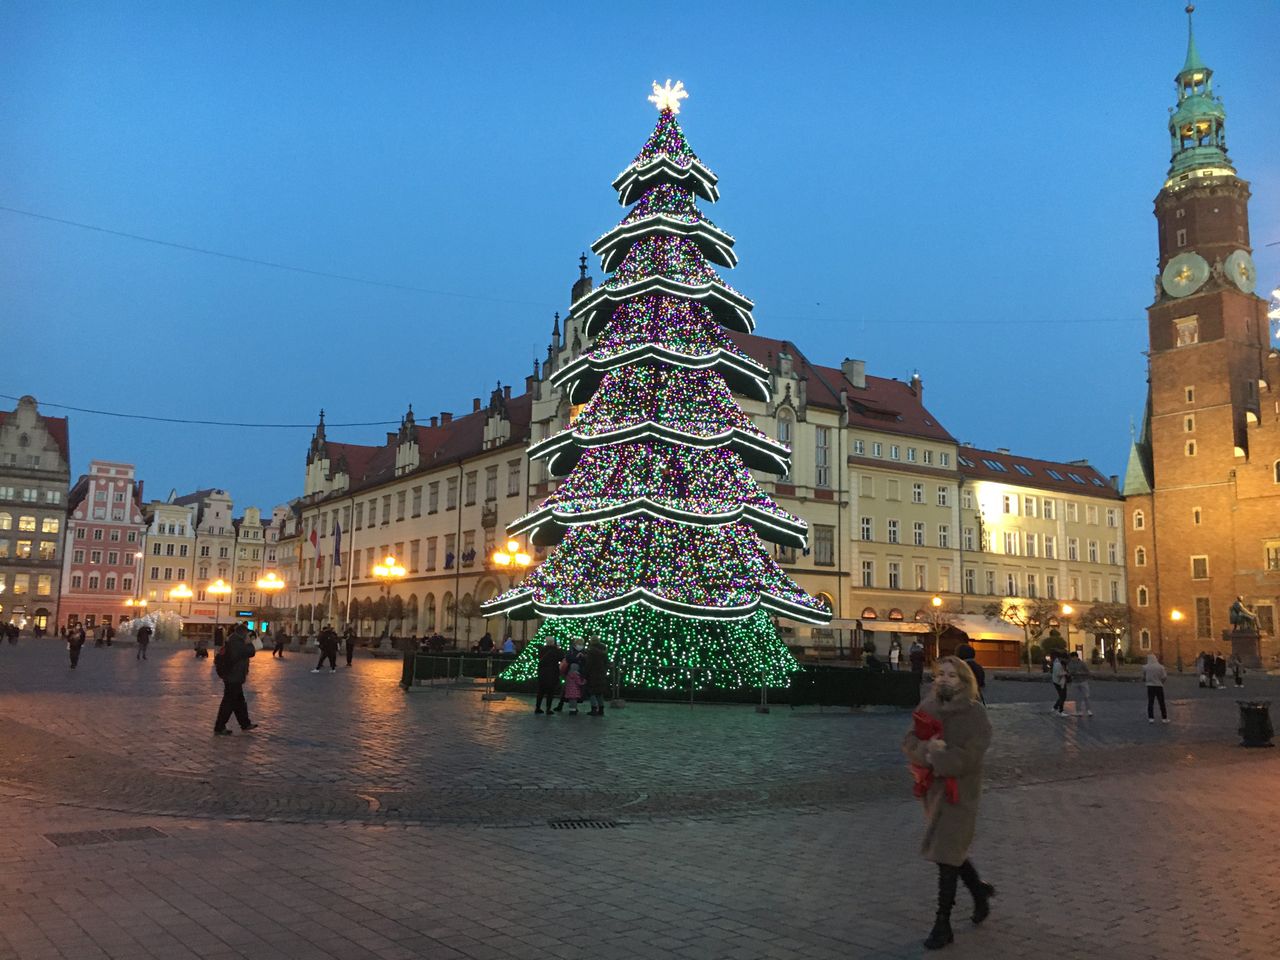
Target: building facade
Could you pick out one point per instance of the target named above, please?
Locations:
(898, 511)
(1203, 482)
(169, 556)
(101, 577)
(34, 475)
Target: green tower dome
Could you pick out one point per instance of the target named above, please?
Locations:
(1197, 126)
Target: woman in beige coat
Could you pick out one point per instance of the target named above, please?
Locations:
(954, 754)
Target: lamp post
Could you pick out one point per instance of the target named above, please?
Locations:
(219, 588)
(388, 572)
(271, 584)
(515, 561)
(936, 604)
(182, 592)
(1067, 611)
(1176, 616)
(137, 603)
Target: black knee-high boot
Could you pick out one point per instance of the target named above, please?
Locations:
(982, 892)
(941, 933)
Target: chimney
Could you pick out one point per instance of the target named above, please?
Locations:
(475, 404)
(445, 417)
(435, 421)
(917, 385)
(855, 371)
(528, 384)
(1115, 481)
(506, 392)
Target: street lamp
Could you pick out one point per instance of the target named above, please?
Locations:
(1067, 611)
(1176, 616)
(515, 561)
(388, 572)
(219, 588)
(270, 583)
(182, 592)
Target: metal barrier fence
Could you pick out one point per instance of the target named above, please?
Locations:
(475, 672)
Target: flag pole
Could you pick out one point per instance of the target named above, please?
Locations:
(351, 565)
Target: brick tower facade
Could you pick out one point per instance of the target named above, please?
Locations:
(1203, 481)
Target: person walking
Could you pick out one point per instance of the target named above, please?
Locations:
(952, 788)
(597, 662)
(349, 641)
(328, 649)
(549, 658)
(1154, 675)
(1058, 674)
(1078, 674)
(895, 654)
(232, 665)
(915, 656)
(75, 640)
(144, 638)
(1237, 669)
(1220, 670)
(1202, 669)
(277, 651)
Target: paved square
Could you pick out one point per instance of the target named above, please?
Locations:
(363, 822)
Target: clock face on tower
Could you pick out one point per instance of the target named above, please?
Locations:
(1184, 274)
(1239, 267)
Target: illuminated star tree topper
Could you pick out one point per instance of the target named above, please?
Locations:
(667, 98)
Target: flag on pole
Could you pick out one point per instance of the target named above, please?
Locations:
(315, 545)
(337, 543)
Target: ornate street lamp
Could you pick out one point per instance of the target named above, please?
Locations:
(515, 561)
(219, 588)
(388, 572)
(1176, 616)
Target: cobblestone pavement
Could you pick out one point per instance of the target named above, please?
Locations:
(359, 821)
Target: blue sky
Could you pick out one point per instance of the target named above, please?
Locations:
(962, 189)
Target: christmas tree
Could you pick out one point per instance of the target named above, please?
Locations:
(659, 520)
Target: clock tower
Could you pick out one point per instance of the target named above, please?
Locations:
(1203, 485)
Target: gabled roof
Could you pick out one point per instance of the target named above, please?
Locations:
(57, 429)
(1002, 467)
(459, 439)
(883, 404)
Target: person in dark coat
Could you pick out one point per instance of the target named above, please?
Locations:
(144, 638)
(970, 657)
(915, 656)
(955, 755)
(597, 676)
(548, 674)
(281, 639)
(328, 649)
(1220, 670)
(75, 640)
(349, 640)
(238, 651)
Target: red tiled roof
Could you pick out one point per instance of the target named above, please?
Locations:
(883, 404)
(459, 439)
(1029, 472)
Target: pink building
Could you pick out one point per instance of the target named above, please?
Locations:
(103, 555)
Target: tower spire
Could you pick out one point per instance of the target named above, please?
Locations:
(1197, 126)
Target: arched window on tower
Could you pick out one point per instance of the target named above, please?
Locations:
(1139, 520)
(1142, 596)
(785, 424)
(1140, 557)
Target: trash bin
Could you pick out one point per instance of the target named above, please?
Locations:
(1255, 723)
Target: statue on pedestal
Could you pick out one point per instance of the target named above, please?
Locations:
(1244, 638)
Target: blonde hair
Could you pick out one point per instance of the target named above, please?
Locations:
(967, 679)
